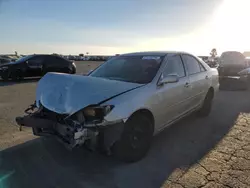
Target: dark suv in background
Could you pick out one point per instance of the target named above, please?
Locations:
(36, 65)
(231, 63)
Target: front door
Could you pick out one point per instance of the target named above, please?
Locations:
(173, 97)
(34, 66)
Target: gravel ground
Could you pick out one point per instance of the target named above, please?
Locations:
(196, 152)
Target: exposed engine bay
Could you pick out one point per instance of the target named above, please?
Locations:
(73, 108)
(86, 127)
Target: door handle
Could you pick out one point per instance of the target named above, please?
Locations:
(206, 77)
(187, 84)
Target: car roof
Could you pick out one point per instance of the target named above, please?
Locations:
(4, 58)
(153, 53)
(51, 55)
(44, 55)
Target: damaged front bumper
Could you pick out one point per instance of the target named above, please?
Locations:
(92, 134)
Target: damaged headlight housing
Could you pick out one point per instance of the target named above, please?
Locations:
(91, 114)
(96, 112)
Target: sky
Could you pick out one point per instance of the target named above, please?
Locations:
(107, 27)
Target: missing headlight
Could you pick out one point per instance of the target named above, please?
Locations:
(90, 114)
(96, 112)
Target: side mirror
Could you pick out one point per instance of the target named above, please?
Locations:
(172, 78)
(26, 62)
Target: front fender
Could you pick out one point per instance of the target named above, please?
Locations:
(129, 103)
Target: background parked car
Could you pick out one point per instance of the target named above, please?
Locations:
(247, 61)
(230, 64)
(4, 60)
(36, 65)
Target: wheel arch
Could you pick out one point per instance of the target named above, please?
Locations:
(147, 113)
(211, 91)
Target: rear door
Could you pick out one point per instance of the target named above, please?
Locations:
(198, 78)
(56, 64)
(173, 97)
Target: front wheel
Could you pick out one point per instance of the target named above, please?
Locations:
(207, 105)
(135, 140)
(5, 76)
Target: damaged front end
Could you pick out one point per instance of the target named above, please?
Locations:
(85, 127)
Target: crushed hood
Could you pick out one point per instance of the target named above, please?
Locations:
(67, 94)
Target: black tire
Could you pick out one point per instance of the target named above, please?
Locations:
(5, 76)
(207, 105)
(135, 140)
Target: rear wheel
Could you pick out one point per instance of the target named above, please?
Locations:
(207, 105)
(135, 140)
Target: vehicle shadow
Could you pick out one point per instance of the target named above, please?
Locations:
(44, 162)
(25, 80)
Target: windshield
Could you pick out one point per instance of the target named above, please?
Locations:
(232, 58)
(137, 69)
(22, 59)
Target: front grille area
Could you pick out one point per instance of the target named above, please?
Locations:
(48, 114)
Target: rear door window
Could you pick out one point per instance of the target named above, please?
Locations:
(36, 61)
(202, 68)
(59, 62)
(193, 66)
(56, 61)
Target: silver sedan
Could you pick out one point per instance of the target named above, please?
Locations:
(123, 103)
